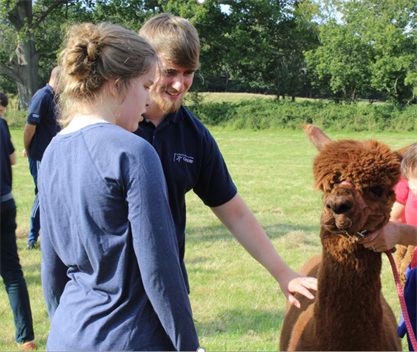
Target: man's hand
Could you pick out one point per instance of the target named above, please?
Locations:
(241, 222)
(25, 154)
(294, 283)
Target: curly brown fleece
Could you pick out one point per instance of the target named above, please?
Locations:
(366, 164)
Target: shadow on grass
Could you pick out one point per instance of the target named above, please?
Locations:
(197, 260)
(242, 322)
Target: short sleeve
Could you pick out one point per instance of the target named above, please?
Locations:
(401, 191)
(9, 145)
(215, 186)
(37, 108)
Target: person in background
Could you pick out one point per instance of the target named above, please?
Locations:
(40, 128)
(111, 274)
(403, 231)
(405, 208)
(190, 156)
(10, 268)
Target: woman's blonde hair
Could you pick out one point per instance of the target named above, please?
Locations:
(94, 54)
(174, 38)
(409, 163)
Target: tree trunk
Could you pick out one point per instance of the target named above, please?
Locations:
(227, 77)
(277, 86)
(27, 70)
(24, 66)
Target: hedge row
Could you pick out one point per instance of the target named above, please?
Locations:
(272, 114)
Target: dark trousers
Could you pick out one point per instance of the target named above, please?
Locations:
(35, 223)
(12, 274)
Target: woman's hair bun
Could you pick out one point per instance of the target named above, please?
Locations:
(83, 51)
(94, 54)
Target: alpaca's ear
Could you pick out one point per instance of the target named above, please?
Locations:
(316, 136)
(401, 152)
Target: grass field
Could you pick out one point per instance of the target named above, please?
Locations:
(236, 304)
(232, 97)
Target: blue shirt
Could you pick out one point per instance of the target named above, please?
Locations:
(111, 275)
(6, 149)
(191, 159)
(43, 114)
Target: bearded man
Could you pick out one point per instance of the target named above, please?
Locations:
(190, 156)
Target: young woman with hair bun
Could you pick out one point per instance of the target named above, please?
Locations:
(110, 268)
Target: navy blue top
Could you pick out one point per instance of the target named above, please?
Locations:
(5, 151)
(191, 159)
(410, 295)
(111, 275)
(42, 113)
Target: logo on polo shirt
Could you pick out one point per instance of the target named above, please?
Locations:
(179, 157)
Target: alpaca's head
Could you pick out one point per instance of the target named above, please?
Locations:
(364, 201)
(357, 178)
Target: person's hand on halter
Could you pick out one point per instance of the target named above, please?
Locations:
(393, 233)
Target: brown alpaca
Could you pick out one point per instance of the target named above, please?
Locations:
(349, 312)
(403, 257)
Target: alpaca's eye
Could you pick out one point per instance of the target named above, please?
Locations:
(377, 191)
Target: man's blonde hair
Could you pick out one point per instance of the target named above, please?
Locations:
(174, 38)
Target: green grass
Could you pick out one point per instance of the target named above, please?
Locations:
(232, 97)
(236, 303)
(15, 118)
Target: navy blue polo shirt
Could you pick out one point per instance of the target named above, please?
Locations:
(190, 159)
(43, 114)
(6, 149)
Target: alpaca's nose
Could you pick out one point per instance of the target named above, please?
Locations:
(339, 205)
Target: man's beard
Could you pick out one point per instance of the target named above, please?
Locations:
(165, 105)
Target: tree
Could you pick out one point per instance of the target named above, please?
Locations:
(381, 37)
(341, 63)
(295, 37)
(39, 28)
(267, 40)
(390, 25)
(259, 42)
(23, 65)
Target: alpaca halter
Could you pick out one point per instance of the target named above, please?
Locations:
(362, 204)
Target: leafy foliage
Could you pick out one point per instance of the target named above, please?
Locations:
(341, 63)
(343, 50)
(372, 47)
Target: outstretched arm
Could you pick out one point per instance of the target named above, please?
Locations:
(241, 222)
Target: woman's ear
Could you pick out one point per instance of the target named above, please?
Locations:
(112, 87)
